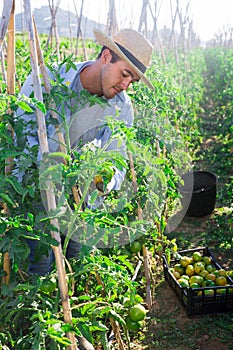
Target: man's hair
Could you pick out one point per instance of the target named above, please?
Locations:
(115, 57)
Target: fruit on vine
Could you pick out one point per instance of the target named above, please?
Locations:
(131, 324)
(48, 286)
(137, 312)
(105, 174)
(98, 179)
(135, 247)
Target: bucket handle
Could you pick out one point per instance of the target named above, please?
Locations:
(199, 191)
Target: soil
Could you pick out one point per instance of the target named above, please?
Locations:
(169, 327)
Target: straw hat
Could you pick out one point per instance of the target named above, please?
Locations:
(130, 46)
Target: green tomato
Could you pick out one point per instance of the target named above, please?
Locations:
(131, 324)
(107, 172)
(126, 252)
(135, 247)
(137, 313)
(48, 286)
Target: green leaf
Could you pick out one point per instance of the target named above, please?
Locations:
(39, 104)
(9, 154)
(124, 260)
(84, 297)
(94, 196)
(146, 170)
(117, 317)
(3, 227)
(98, 326)
(59, 154)
(25, 107)
(6, 199)
(85, 330)
(16, 185)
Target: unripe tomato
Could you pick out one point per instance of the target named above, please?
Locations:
(137, 313)
(135, 247)
(132, 325)
(48, 286)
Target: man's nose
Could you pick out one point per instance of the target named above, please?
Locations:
(125, 83)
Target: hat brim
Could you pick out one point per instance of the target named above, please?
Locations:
(104, 40)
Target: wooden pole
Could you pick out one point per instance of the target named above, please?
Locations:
(3, 66)
(6, 13)
(146, 258)
(143, 17)
(70, 29)
(79, 29)
(112, 26)
(11, 52)
(43, 142)
(53, 26)
(10, 91)
(155, 34)
(47, 85)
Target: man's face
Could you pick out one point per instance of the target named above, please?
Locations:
(115, 77)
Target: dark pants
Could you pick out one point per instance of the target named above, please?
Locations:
(45, 264)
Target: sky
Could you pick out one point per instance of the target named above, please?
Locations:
(209, 16)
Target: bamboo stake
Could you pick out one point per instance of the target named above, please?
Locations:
(173, 35)
(136, 270)
(83, 44)
(4, 21)
(11, 91)
(6, 12)
(6, 268)
(3, 66)
(47, 86)
(143, 17)
(114, 324)
(11, 52)
(116, 331)
(146, 258)
(70, 30)
(112, 26)
(53, 26)
(43, 142)
(155, 31)
(79, 29)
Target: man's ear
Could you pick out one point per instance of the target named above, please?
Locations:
(106, 56)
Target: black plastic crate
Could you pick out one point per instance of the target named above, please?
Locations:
(199, 305)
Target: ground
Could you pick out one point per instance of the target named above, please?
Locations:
(169, 327)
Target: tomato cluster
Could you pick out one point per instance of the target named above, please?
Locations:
(134, 321)
(199, 271)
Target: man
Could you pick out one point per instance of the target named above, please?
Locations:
(123, 60)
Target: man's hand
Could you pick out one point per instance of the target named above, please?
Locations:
(103, 179)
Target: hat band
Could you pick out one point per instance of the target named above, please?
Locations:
(132, 58)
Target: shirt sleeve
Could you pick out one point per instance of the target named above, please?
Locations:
(30, 129)
(125, 109)
(126, 114)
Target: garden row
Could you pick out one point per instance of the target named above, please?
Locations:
(107, 281)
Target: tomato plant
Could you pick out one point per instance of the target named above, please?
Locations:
(165, 137)
(48, 286)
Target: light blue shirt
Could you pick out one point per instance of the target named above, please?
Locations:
(88, 123)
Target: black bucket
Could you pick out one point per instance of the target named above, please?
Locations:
(198, 193)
